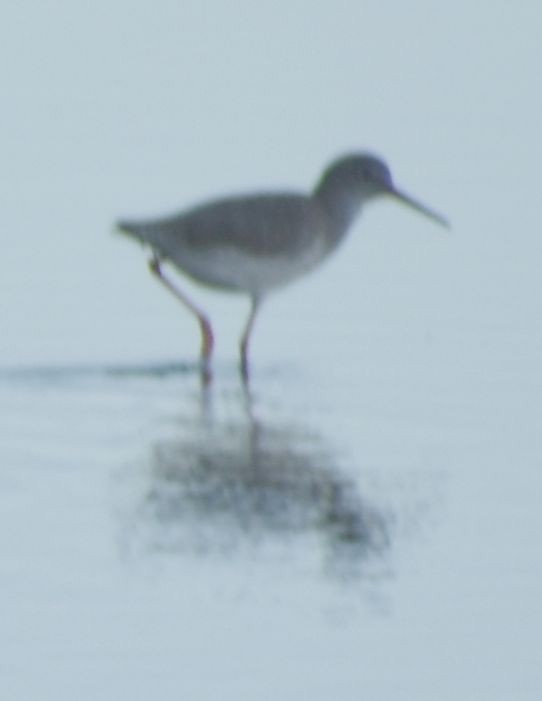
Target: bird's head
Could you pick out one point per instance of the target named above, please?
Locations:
(361, 177)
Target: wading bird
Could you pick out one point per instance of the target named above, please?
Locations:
(257, 243)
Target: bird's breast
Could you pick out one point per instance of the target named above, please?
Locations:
(246, 270)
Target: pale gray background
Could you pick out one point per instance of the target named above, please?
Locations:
(419, 349)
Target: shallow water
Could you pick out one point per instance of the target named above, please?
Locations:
(285, 537)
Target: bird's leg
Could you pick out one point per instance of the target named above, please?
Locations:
(255, 305)
(207, 339)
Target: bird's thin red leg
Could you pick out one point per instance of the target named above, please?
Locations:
(207, 338)
(245, 338)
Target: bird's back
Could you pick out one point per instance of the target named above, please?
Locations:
(251, 243)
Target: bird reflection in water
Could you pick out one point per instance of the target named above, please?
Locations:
(224, 485)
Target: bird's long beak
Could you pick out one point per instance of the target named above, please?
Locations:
(419, 207)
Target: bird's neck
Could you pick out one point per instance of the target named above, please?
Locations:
(341, 208)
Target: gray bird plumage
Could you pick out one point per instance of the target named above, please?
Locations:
(256, 243)
(268, 233)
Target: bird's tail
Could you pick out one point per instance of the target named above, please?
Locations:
(147, 233)
(131, 229)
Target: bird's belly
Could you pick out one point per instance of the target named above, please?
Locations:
(229, 268)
